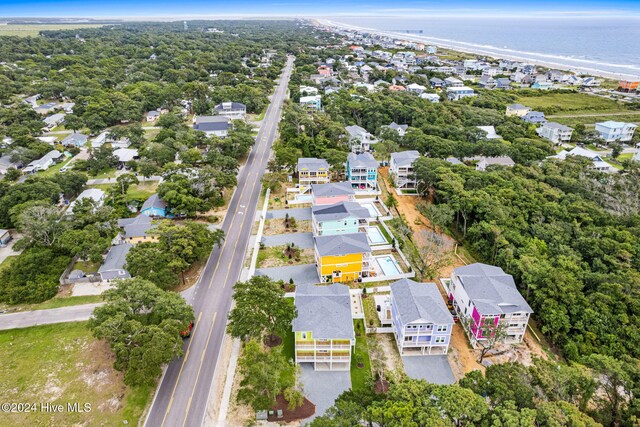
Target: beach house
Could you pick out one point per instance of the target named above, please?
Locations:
(332, 193)
(311, 102)
(75, 140)
(213, 125)
(534, 117)
(458, 92)
(323, 326)
(489, 132)
(95, 194)
(597, 162)
(135, 230)
(555, 132)
(401, 169)
(231, 110)
(518, 110)
(155, 207)
(612, 131)
(112, 267)
(341, 218)
(362, 171)
(342, 257)
(401, 130)
(360, 140)
(312, 171)
(421, 321)
(484, 296)
(43, 163)
(485, 162)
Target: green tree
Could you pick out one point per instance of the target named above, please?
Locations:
(143, 325)
(151, 262)
(260, 307)
(125, 181)
(41, 224)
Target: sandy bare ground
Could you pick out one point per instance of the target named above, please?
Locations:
(276, 227)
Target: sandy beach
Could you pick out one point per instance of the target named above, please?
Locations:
(476, 50)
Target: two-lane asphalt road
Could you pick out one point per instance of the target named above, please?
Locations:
(182, 396)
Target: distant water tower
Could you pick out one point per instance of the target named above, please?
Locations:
(186, 27)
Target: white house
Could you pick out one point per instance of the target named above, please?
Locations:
(53, 120)
(612, 131)
(360, 140)
(43, 163)
(555, 132)
(458, 92)
(401, 130)
(490, 131)
(313, 102)
(232, 110)
(401, 168)
(486, 296)
(213, 125)
(597, 162)
(95, 194)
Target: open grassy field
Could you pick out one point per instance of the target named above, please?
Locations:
(590, 120)
(34, 30)
(63, 364)
(573, 104)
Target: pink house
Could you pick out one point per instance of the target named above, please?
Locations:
(325, 70)
(484, 294)
(334, 192)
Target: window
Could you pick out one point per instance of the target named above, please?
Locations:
(408, 338)
(514, 325)
(442, 328)
(440, 340)
(412, 327)
(304, 335)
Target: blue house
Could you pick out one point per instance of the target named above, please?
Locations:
(362, 171)
(422, 324)
(155, 207)
(340, 218)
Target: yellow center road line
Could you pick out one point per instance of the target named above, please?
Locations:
(266, 153)
(206, 346)
(186, 356)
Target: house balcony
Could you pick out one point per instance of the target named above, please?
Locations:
(323, 358)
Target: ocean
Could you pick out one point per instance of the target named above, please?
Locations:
(609, 45)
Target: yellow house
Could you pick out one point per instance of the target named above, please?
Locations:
(342, 258)
(323, 327)
(136, 230)
(312, 171)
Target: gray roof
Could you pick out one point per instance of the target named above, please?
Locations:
(339, 211)
(517, 107)
(397, 127)
(454, 161)
(212, 126)
(312, 164)
(405, 158)
(420, 302)
(554, 125)
(325, 311)
(113, 265)
(363, 160)
(342, 244)
(491, 289)
(502, 161)
(75, 139)
(230, 106)
(332, 189)
(136, 227)
(154, 201)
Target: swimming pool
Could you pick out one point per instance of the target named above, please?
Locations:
(304, 197)
(373, 212)
(375, 236)
(388, 265)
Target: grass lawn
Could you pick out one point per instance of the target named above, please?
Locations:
(7, 261)
(590, 121)
(111, 173)
(63, 364)
(87, 267)
(360, 376)
(55, 302)
(572, 103)
(275, 257)
(142, 191)
(55, 168)
(33, 30)
(289, 343)
(370, 313)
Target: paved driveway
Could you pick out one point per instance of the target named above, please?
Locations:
(434, 369)
(301, 240)
(75, 313)
(302, 214)
(301, 274)
(323, 387)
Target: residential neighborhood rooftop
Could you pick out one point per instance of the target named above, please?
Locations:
(342, 244)
(420, 301)
(332, 189)
(339, 211)
(325, 311)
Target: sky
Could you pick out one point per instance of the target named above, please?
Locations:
(216, 8)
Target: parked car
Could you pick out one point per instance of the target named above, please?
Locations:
(187, 332)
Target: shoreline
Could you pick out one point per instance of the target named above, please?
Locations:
(452, 45)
